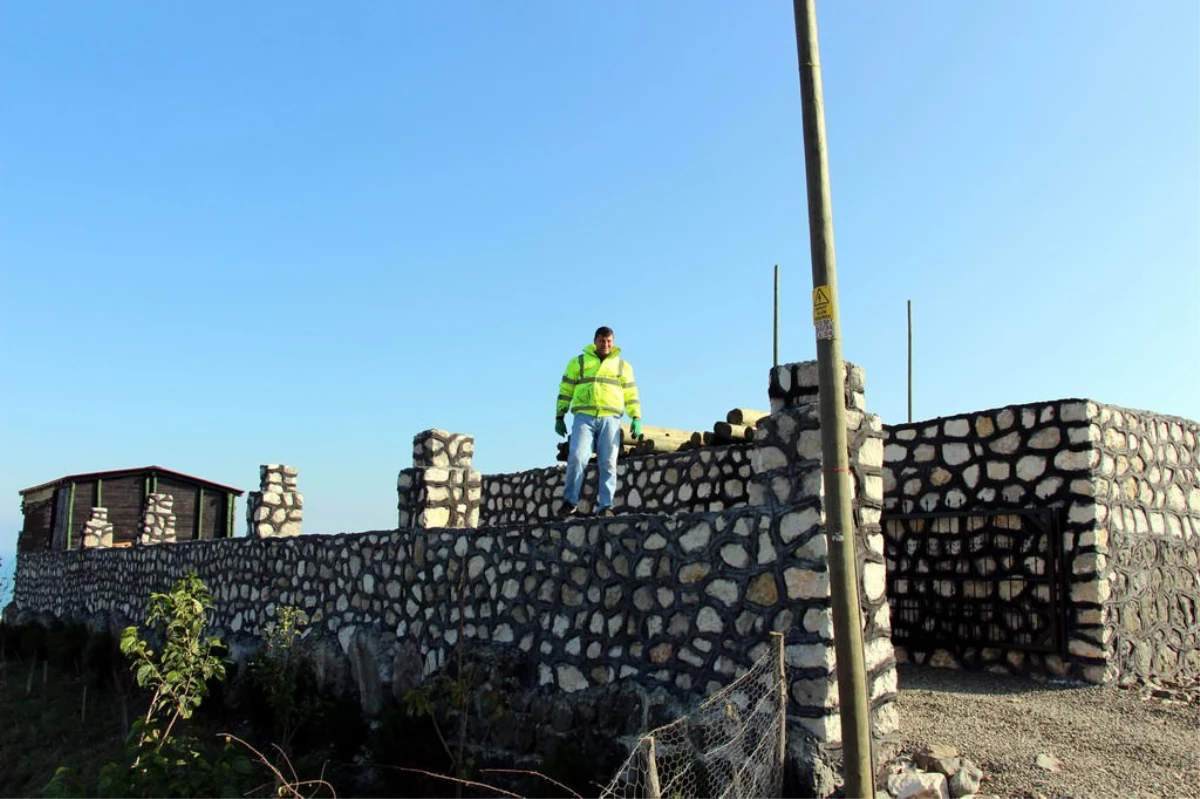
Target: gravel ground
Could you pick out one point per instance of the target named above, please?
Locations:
(1111, 742)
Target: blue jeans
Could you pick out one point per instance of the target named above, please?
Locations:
(605, 433)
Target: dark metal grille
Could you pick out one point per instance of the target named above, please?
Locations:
(976, 579)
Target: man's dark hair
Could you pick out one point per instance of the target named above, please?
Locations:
(603, 331)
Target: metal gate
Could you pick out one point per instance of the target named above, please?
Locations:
(973, 579)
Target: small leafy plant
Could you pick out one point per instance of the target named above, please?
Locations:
(283, 677)
(178, 675)
(161, 761)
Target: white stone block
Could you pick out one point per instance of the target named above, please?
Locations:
(1086, 649)
(918, 785)
(1046, 438)
(874, 580)
(766, 458)
(806, 583)
(809, 445)
(826, 729)
(433, 518)
(811, 656)
(1074, 411)
(796, 523)
(1082, 512)
(815, 693)
(819, 621)
(1007, 444)
(1070, 461)
(1030, 467)
(709, 621)
(871, 452)
(696, 538)
(956, 428)
(1175, 498)
(954, 454)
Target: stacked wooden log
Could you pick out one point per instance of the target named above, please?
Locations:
(738, 428)
(654, 439)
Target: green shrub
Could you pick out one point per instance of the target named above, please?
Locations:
(283, 679)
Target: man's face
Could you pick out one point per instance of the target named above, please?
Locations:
(604, 345)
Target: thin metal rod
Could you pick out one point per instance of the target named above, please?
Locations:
(839, 517)
(775, 351)
(910, 360)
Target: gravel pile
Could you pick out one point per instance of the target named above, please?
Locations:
(1055, 739)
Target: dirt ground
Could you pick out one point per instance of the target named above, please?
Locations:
(1110, 741)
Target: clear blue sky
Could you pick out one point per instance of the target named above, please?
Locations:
(234, 234)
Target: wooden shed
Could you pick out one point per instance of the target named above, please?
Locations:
(55, 512)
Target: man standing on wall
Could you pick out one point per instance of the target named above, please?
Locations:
(598, 387)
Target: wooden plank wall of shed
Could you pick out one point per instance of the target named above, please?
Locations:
(216, 514)
(125, 498)
(35, 530)
(58, 529)
(85, 500)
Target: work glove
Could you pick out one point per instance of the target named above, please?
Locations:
(560, 426)
(635, 426)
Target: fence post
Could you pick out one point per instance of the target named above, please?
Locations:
(654, 791)
(781, 686)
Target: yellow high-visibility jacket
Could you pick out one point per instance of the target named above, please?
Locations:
(598, 387)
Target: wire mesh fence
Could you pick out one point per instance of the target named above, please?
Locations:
(732, 745)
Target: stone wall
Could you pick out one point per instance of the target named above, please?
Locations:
(1122, 484)
(675, 603)
(706, 479)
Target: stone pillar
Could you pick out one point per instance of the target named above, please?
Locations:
(276, 510)
(158, 520)
(789, 479)
(441, 489)
(98, 530)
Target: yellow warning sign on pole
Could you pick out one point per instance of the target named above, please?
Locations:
(822, 304)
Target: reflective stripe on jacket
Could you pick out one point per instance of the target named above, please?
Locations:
(598, 387)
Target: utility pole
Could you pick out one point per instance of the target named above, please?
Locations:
(839, 514)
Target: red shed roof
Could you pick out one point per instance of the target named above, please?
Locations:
(158, 470)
